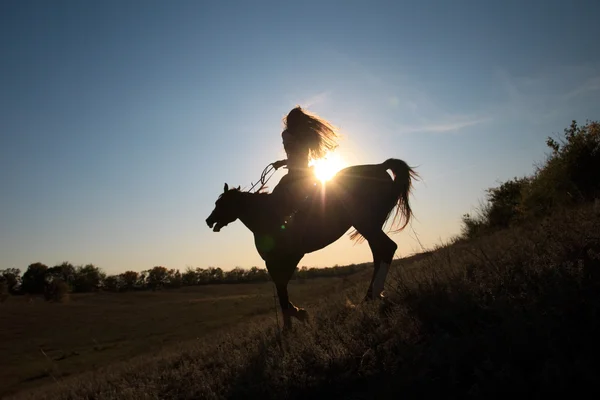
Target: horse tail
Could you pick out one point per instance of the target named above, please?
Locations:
(403, 176)
(403, 185)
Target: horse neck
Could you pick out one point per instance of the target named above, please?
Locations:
(252, 210)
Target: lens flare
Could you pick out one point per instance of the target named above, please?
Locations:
(325, 168)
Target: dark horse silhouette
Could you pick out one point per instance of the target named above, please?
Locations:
(360, 196)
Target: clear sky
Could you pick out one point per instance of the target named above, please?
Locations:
(121, 120)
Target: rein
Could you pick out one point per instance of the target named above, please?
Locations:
(263, 177)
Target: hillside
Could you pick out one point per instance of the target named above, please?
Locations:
(515, 312)
(509, 307)
(42, 341)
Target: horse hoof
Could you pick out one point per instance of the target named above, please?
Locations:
(370, 297)
(302, 315)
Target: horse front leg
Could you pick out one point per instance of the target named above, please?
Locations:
(281, 272)
(287, 308)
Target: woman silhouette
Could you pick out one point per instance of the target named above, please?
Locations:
(305, 137)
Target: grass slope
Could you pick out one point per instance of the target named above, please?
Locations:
(41, 341)
(513, 313)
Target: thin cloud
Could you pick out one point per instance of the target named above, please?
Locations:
(591, 85)
(317, 99)
(447, 174)
(444, 126)
(546, 94)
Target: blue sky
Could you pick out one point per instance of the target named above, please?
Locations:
(121, 120)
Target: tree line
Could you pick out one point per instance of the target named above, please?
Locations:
(55, 282)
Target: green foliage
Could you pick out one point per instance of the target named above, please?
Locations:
(505, 202)
(11, 278)
(65, 271)
(113, 283)
(130, 279)
(475, 224)
(157, 277)
(34, 279)
(56, 290)
(569, 176)
(87, 278)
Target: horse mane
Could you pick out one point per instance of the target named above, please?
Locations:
(239, 190)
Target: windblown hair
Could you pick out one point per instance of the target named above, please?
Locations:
(311, 131)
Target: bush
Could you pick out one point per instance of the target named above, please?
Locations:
(476, 224)
(57, 291)
(571, 173)
(569, 176)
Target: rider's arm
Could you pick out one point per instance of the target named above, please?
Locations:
(279, 164)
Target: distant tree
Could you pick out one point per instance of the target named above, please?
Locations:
(174, 279)
(256, 274)
(190, 277)
(203, 276)
(88, 278)
(34, 279)
(235, 275)
(11, 277)
(142, 280)
(113, 283)
(56, 290)
(157, 277)
(64, 271)
(215, 275)
(130, 279)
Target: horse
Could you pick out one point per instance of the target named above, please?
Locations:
(362, 197)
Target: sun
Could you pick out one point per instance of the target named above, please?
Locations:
(328, 166)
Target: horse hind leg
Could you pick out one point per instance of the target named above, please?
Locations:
(376, 264)
(383, 249)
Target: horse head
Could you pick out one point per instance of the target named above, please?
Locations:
(226, 209)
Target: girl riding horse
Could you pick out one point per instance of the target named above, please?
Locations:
(305, 136)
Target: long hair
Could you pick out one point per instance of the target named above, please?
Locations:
(311, 132)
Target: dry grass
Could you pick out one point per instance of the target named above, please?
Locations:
(45, 341)
(513, 313)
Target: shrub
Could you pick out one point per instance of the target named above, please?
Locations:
(570, 175)
(57, 291)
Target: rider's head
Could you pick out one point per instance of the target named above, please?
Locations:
(306, 132)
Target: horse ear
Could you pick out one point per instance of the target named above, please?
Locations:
(239, 187)
(225, 188)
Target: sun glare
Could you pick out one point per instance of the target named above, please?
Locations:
(328, 166)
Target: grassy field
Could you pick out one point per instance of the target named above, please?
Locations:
(41, 341)
(513, 313)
